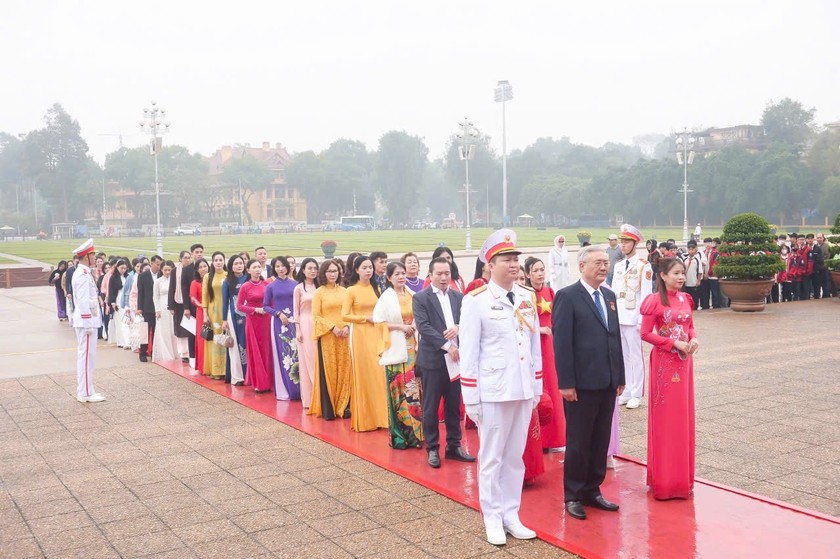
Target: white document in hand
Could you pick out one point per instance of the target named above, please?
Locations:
(452, 367)
(188, 323)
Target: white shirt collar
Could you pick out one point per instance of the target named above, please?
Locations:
(589, 288)
(438, 291)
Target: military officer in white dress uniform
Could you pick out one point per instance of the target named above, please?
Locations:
(632, 282)
(86, 322)
(501, 382)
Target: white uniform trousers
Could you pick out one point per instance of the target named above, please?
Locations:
(85, 358)
(502, 435)
(634, 365)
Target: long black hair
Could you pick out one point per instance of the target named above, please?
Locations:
(212, 274)
(354, 275)
(231, 279)
(479, 268)
(439, 252)
(301, 278)
(529, 263)
(348, 269)
(196, 276)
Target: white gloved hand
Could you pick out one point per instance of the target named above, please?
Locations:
(94, 309)
(473, 412)
(536, 402)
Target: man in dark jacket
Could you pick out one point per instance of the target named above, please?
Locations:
(146, 303)
(590, 368)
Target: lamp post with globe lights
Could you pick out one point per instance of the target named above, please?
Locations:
(154, 122)
(467, 137)
(503, 93)
(685, 157)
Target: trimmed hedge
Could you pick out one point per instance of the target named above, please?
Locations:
(752, 254)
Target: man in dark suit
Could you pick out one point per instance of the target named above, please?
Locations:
(590, 367)
(146, 302)
(437, 310)
(179, 299)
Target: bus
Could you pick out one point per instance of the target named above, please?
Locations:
(356, 223)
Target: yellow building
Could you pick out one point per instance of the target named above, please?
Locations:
(279, 203)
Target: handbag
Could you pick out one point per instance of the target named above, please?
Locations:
(225, 340)
(207, 332)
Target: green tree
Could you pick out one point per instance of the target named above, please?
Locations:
(823, 156)
(829, 197)
(400, 166)
(348, 177)
(59, 165)
(306, 172)
(554, 199)
(184, 184)
(249, 173)
(788, 122)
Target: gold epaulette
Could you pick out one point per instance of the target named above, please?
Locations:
(528, 287)
(478, 290)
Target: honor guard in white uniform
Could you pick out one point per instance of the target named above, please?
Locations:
(86, 321)
(501, 382)
(632, 282)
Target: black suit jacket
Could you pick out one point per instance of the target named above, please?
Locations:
(187, 275)
(145, 293)
(428, 317)
(587, 354)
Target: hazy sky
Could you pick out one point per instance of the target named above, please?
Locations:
(307, 73)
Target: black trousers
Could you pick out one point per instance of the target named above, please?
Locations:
(588, 423)
(152, 322)
(787, 291)
(818, 286)
(694, 293)
(435, 384)
(705, 295)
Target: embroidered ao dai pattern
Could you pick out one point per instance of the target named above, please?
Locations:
(405, 418)
(279, 298)
(237, 359)
(303, 295)
(331, 391)
(257, 335)
(215, 356)
(670, 470)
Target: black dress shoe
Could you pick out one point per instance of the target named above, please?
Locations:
(434, 458)
(143, 358)
(575, 509)
(600, 503)
(458, 453)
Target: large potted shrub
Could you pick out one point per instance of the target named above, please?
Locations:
(833, 263)
(748, 261)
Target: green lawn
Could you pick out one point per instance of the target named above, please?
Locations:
(308, 244)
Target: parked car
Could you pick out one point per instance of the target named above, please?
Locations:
(187, 230)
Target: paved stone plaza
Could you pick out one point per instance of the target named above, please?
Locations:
(166, 468)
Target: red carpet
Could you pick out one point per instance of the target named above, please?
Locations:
(719, 522)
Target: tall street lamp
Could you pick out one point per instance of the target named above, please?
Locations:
(154, 122)
(467, 136)
(504, 93)
(685, 157)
